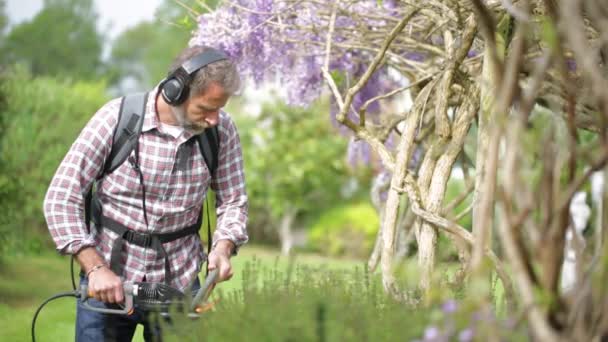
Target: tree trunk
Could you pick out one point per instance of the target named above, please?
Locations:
(405, 234)
(597, 195)
(380, 184)
(404, 151)
(439, 180)
(286, 230)
(374, 258)
(483, 208)
(483, 138)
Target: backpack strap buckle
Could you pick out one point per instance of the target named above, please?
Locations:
(140, 239)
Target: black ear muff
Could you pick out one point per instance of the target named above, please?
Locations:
(174, 91)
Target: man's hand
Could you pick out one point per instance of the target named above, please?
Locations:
(106, 286)
(220, 258)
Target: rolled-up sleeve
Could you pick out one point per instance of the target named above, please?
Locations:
(64, 200)
(229, 187)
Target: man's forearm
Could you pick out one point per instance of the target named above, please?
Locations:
(89, 259)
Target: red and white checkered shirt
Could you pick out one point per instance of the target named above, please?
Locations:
(174, 195)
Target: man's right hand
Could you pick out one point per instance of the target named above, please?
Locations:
(106, 286)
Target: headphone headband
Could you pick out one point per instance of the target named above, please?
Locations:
(201, 60)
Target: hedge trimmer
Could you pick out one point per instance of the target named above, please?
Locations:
(156, 297)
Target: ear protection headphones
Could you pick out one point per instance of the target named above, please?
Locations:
(176, 87)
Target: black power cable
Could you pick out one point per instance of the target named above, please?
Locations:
(64, 294)
(72, 273)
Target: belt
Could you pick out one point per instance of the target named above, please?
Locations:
(146, 240)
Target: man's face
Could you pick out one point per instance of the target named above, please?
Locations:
(201, 111)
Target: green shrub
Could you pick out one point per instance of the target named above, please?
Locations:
(316, 304)
(347, 230)
(306, 304)
(41, 118)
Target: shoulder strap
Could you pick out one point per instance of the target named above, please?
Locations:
(209, 144)
(124, 137)
(130, 122)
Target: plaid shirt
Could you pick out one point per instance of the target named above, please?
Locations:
(175, 191)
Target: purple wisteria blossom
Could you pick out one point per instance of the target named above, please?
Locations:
(285, 42)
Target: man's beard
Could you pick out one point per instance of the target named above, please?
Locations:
(193, 127)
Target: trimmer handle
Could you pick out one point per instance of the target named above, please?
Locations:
(129, 289)
(205, 291)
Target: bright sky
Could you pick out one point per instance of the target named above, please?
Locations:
(114, 15)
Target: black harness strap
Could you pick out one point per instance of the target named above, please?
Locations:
(208, 144)
(146, 240)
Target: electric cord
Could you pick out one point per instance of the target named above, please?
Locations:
(72, 273)
(59, 295)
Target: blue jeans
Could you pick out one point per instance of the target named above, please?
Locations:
(94, 326)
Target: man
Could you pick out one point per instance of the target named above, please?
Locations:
(159, 189)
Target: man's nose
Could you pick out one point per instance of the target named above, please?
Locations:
(213, 118)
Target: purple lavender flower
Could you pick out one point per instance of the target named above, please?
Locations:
(450, 306)
(571, 64)
(466, 335)
(431, 333)
(482, 316)
(476, 317)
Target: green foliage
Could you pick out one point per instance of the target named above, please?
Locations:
(345, 230)
(61, 40)
(42, 117)
(144, 52)
(3, 17)
(549, 33)
(304, 304)
(293, 161)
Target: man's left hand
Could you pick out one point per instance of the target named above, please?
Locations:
(219, 258)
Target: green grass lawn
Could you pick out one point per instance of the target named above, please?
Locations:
(26, 282)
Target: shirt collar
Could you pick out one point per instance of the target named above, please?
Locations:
(151, 120)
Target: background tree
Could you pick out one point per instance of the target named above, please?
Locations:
(3, 17)
(61, 40)
(295, 167)
(31, 149)
(141, 55)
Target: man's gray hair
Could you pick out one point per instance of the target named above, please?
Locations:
(223, 72)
